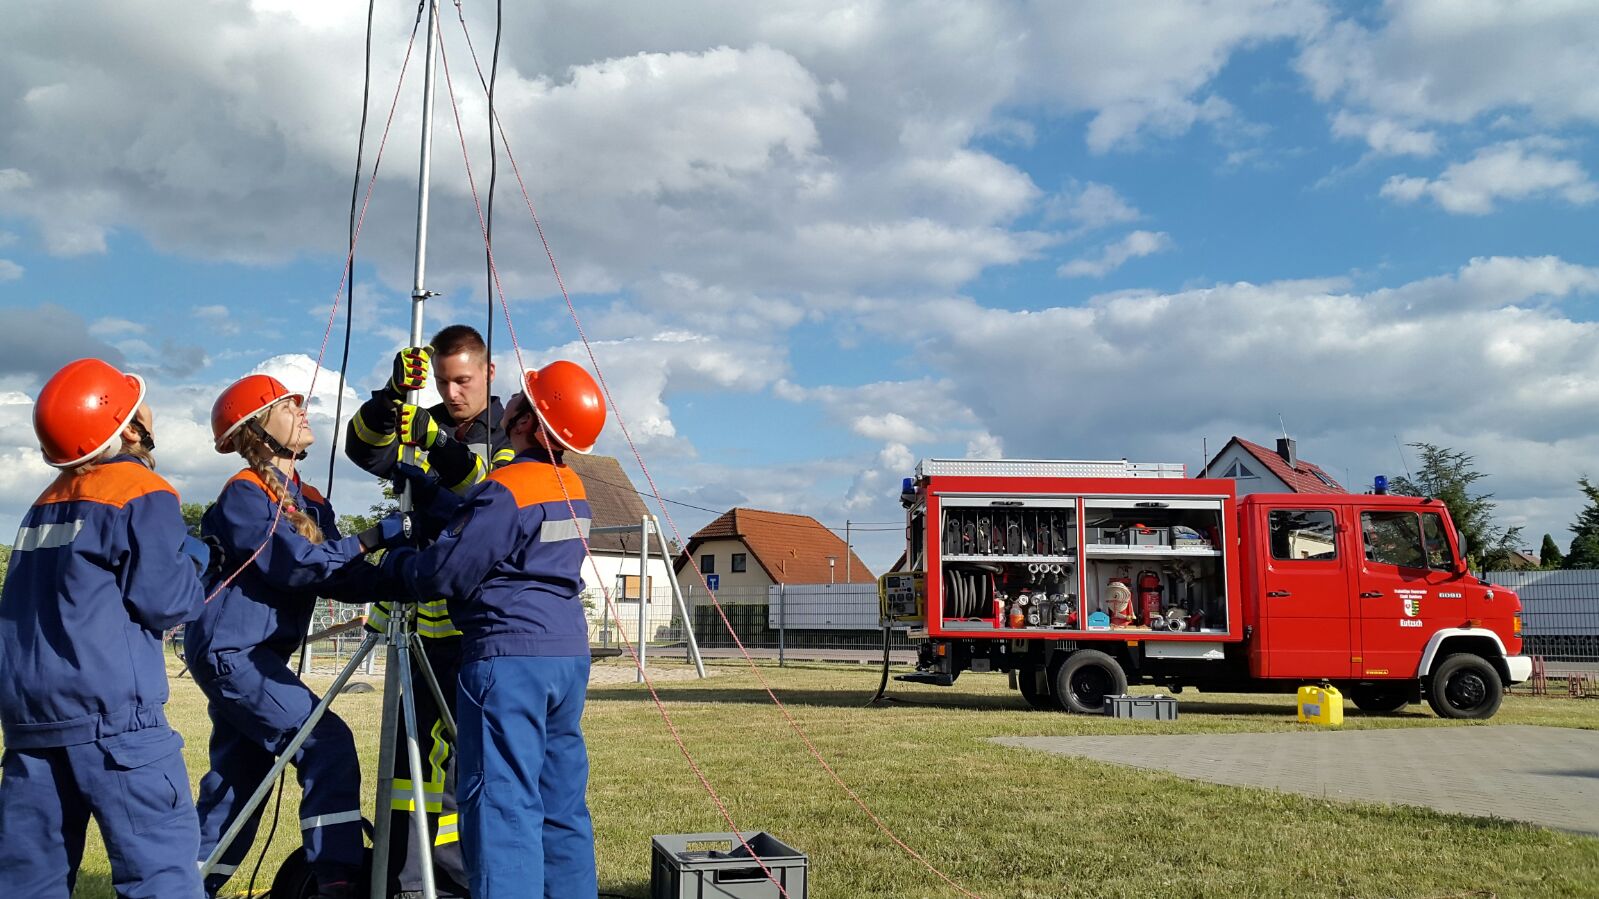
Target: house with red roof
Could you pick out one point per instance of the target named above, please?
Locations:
(1256, 469)
(751, 549)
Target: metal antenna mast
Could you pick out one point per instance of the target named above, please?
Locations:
(397, 674)
(404, 654)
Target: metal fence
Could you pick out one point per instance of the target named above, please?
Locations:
(1559, 612)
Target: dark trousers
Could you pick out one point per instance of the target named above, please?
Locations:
(525, 824)
(135, 787)
(439, 764)
(257, 704)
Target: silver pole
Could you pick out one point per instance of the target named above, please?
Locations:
(419, 293)
(782, 611)
(256, 798)
(393, 687)
(682, 606)
(643, 590)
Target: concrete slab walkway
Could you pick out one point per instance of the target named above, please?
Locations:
(1542, 775)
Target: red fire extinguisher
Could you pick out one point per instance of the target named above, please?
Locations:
(1149, 590)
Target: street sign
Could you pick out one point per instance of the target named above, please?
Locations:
(713, 581)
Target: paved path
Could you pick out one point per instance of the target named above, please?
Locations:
(1542, 775)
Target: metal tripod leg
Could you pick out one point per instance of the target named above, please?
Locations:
(397, 699)
(287, 755)
(426, 667)
(419, 811)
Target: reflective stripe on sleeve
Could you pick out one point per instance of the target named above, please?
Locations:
(367, 435)
(563, 529)
(47, 536)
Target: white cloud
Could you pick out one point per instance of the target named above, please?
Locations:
(217, 319)
(10, 271)
(1112, 257)
(1142, 68)
(1090, 206)
(1448, 61)
(1385, 137)
(1514, 170)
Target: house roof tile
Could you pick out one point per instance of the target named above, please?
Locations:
(1306, 477)
(791, 549)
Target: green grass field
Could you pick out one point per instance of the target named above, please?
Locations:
(1001, 822)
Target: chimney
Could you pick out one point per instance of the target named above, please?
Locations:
(1286, 449)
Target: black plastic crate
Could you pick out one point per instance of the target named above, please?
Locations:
(717, 866)
(1150, 708)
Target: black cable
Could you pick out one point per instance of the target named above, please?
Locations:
(349, 301)
(488, 226)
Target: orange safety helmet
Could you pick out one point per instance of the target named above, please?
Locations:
(568, 403)
(82, 410)
(242, 401)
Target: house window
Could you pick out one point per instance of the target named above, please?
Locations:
(1238, 470)
(1303, 534)
(1323, 478)
(737, 563)
(708, 563)
(630, 586)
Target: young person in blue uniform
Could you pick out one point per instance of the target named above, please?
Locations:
(239, 647)
(458, 441)
(509, 562)
(103, 564)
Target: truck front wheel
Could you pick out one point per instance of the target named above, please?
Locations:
(1465, 686)
(1379, 698)
(1086, 678)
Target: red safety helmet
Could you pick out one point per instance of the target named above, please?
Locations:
(568, 403)
(82, 410)
(241, 402)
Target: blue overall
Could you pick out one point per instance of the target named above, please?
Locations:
(510, 565)
(96, 576)
(239, 650)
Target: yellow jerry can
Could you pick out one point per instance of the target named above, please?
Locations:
(1321, 705)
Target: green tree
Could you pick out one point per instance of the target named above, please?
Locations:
(192, 513)
(1585, 545)
(1549, 554)
(1448, 475)
(5, 562)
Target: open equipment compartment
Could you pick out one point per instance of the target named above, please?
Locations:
(1155, 564)
(1009, 563)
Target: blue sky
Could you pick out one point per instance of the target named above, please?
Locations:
(813, 242)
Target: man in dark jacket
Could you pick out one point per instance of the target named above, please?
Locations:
(458, 441)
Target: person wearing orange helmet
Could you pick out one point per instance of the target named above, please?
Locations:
(283, 550)
(102, 566)
(509, 562)
(457, 442)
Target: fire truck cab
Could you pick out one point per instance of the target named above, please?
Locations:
(1079, 578)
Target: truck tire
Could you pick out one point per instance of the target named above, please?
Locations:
(1027, 685)
(1086, 678)
(1379, 699)
(1465, 685)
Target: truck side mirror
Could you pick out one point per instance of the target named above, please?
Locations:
(1460, 538)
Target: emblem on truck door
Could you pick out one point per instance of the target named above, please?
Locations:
(1412, 606)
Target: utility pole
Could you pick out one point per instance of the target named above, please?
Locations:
(849, 554)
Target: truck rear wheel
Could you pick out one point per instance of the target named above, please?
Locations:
(1379, 698)
(1465, 686)
(1086, 678)
(1028, 683)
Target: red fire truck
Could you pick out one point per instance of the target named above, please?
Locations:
(1079, 578)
